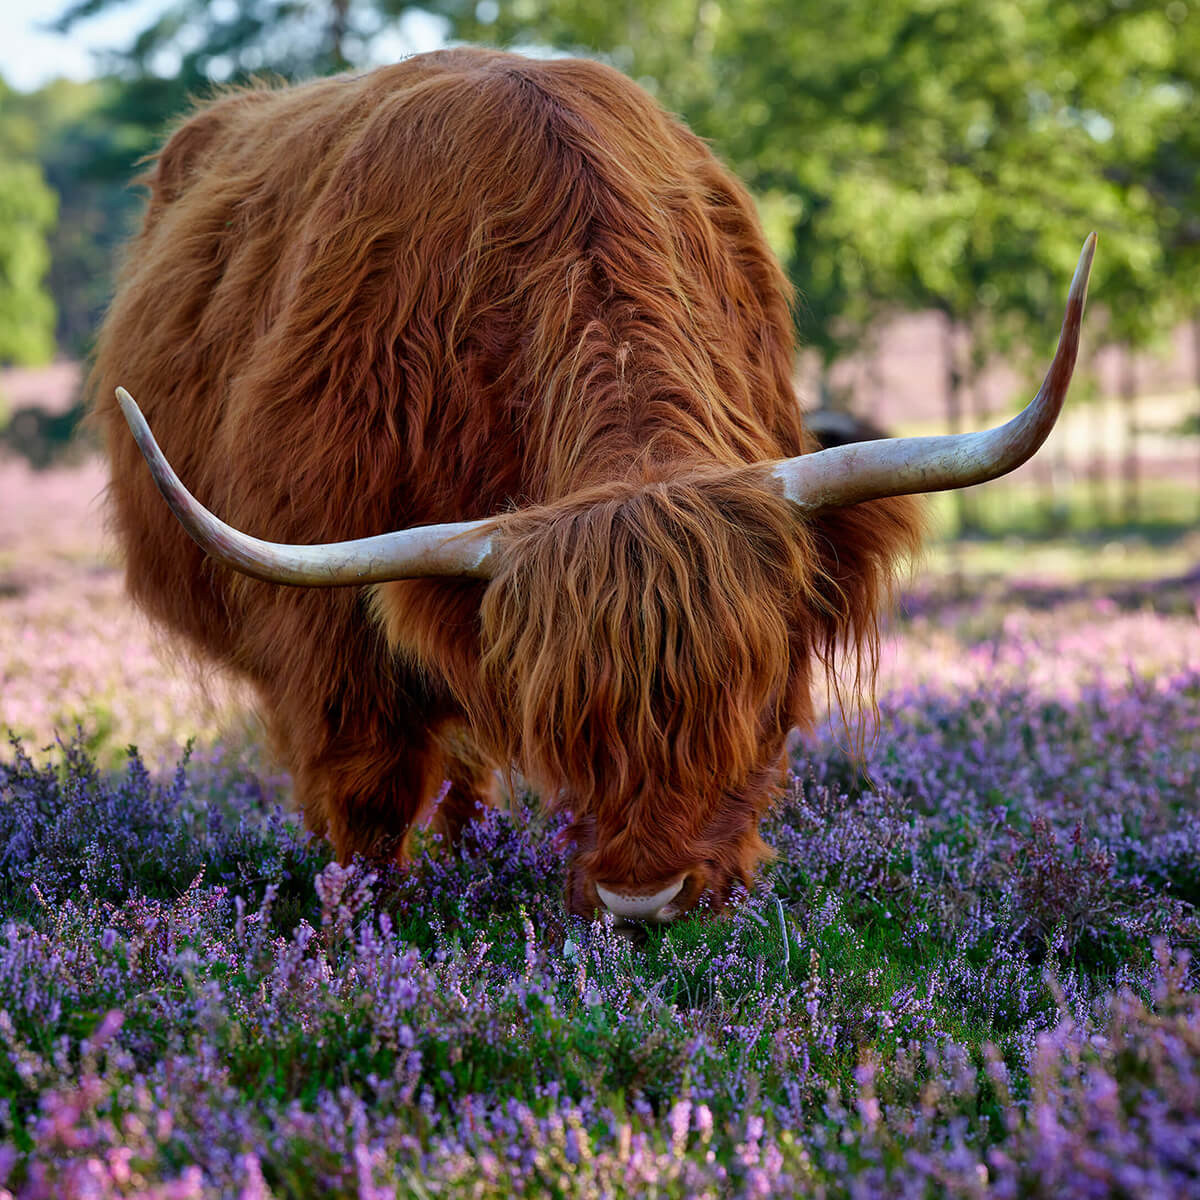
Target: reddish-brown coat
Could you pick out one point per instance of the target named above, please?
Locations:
(463, 285)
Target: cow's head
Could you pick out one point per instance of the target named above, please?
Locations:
(644, 655)
(647, 644)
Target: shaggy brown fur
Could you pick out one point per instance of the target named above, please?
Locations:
(460, 286)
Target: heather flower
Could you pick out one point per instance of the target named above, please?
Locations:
(966, 974)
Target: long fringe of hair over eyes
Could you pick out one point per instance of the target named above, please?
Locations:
(668, 623)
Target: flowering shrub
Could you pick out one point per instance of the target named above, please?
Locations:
(967, 972)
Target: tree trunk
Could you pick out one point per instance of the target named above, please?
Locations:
(1196, 370)
(1098, 467)
(976, 404)
(954, 413)
(339, 24)
(953, 397)
(1196, 348)
(1130, 497)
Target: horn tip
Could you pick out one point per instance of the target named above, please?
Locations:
(1089, 246)
(1083, 271)
(128, 404)
(139, 427)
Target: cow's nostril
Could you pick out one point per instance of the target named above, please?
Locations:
(638, 906)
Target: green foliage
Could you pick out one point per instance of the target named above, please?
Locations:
(27, 214)
(908, 155)
(1135, 72)
(192, 45)
(947, 156)
(87, 157)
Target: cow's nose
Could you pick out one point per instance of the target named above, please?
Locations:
(640, 906)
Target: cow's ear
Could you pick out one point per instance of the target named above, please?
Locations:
(189, 146)
(433, 625)
(182, 154)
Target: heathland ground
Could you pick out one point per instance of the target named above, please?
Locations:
(966, 973)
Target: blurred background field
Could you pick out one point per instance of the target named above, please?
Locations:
(74, 652)
(926, 172)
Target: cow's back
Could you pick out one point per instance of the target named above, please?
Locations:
(428, 293)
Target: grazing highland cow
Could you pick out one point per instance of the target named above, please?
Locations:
(517, 313)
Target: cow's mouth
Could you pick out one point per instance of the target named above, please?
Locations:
(656, 906)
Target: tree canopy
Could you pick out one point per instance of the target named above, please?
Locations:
(941, 154)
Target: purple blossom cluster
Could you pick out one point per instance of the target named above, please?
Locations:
(1034, 792)
(65, 826)
(198, 1085)
(966, 973)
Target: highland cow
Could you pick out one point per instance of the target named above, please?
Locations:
(517, 313)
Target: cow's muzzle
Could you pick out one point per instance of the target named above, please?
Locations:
(641, 906)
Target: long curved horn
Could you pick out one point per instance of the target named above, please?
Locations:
(861, 471)
(462, 549)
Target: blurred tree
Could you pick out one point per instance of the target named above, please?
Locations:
(86, 158)
(937, 154)
(909, 155)
(94, 135)
(1134, 68)
(195, 44)
(942, 155)
(27, 214)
